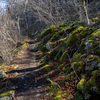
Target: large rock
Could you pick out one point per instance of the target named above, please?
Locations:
(90, 65)
(2, 74)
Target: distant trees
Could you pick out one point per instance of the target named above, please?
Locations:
(83, 11)
(22, 15)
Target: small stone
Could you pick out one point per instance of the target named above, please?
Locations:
(39, 86)
(21, 96)
(47, 94)
(48, 46)
(38, 95)
(25, 84)
(14, 87)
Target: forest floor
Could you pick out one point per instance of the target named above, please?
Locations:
(29, 82)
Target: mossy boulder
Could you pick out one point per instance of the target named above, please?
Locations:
(94, 81)
(47, 31)
(80, 85)
(74, 36)
(78, 66)
(69, 76)
(86, 32)
(91, 62)
(49, 46)
(64, 56)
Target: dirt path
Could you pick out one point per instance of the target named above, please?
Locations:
(30, 80)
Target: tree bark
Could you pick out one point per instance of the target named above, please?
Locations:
(83, 12)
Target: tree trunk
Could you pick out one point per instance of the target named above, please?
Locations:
(83, 12)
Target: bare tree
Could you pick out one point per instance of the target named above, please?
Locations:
(83, 11)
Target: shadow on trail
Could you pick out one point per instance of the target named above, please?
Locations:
(30, 82)
(24, 70)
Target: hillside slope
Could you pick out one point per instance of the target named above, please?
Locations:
(70, 54)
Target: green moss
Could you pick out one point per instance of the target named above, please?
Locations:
(13, 66)
(94, 57)
(78, 96)
(60, 67)
(3, 68)
(92, 81)
(58, 95)
(3, 85)
(46, 66)
(97, 51)
(44, 48)
(62, 32)
(80, 64)
(96, 19)
(69, 76)
(57, 35)
(61, 25)
(63, 39)
(59, 53)
(76, 57)
(80, 85)
(47, 31)
(90, 40)
(6, 93)
(68, 70)
(64, 56)
(52, 53)
(86, 32)
(74, 36)
(96, 33)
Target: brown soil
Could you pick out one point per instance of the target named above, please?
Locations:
(30, 79)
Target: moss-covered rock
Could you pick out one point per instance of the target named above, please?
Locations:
(52, 53)
(93, 81)
(69, 76)
(86, 32)
(74, 36)
(47, 31)
(64, 56)
(78, 66)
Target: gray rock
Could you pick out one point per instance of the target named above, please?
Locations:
(95, 89)
(6, 98)
(48, 46)
(88, 46)
(2, 74)
(99, 66)
(90, 65)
